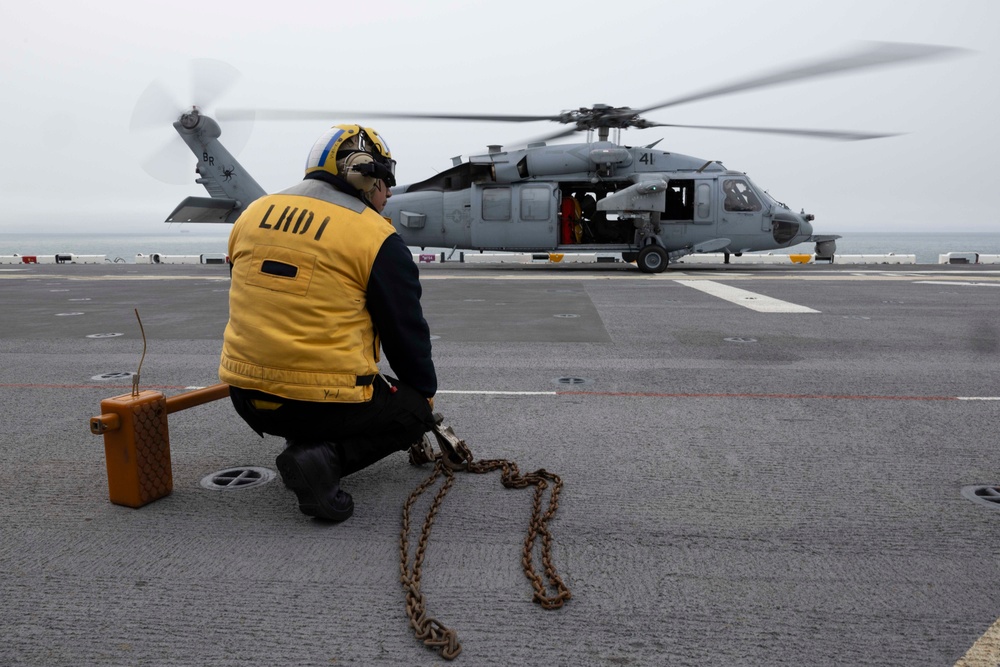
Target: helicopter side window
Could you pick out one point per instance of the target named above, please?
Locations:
(704, 200)
(496, 204)
(535, 203)
(739, 196)
(679, 203)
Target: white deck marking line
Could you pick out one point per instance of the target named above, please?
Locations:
(986, 651)
(500, 393)
(620, 394)
(745, 298)
(955, 283)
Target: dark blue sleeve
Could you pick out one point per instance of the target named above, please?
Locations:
(394, 305)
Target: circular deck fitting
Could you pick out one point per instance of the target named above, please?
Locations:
(104, 335)
(740, 339)
(237, 478)
(984, 495)
(572, 381)
(115, 375)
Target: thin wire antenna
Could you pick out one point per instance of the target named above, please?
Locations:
(138, 372)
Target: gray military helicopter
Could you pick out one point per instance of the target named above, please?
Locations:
(650, 205)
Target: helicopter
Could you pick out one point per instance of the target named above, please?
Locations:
(652, 206)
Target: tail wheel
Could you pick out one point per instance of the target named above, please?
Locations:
(652, 259)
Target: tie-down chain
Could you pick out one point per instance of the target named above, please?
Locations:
(455, 455)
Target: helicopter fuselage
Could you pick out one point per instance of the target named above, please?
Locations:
(595, 196)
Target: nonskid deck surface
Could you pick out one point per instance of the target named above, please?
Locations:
(762, 466)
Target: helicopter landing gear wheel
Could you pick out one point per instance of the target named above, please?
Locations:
(652, 259)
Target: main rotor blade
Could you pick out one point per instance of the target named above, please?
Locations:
(559, 134)
(834, 135)
(303, 114)
(876, 54)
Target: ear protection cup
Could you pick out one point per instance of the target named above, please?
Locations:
(355, 173)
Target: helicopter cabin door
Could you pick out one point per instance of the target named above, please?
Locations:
(741, 206)
(515, 216)
(688, 201)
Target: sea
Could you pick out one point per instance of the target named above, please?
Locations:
(137, 248)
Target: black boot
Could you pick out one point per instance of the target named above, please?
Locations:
(312, 471)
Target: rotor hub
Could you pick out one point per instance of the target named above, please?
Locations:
(602, 116)
(190, 120)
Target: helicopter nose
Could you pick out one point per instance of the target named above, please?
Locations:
(805, 229)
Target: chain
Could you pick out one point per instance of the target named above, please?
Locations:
(432, 632)
(512, 478)
(455, 455)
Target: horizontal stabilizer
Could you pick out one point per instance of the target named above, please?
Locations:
(205, 209)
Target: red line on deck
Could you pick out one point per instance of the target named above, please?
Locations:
(90, 386)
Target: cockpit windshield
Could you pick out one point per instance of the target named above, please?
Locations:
(740, 196)
(769, 200)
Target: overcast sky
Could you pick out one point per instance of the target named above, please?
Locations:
(73, 73)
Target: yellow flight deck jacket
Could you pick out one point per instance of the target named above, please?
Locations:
(298, 326)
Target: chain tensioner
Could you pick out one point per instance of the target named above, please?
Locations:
(455, 455)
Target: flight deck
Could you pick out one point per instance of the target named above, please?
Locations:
(762, 465)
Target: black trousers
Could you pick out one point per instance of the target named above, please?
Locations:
(363, 433)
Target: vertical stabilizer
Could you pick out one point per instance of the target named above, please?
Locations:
(230, 187)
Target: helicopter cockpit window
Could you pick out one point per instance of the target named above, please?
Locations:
(496, 204)
(739, 196)
(535, 203)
